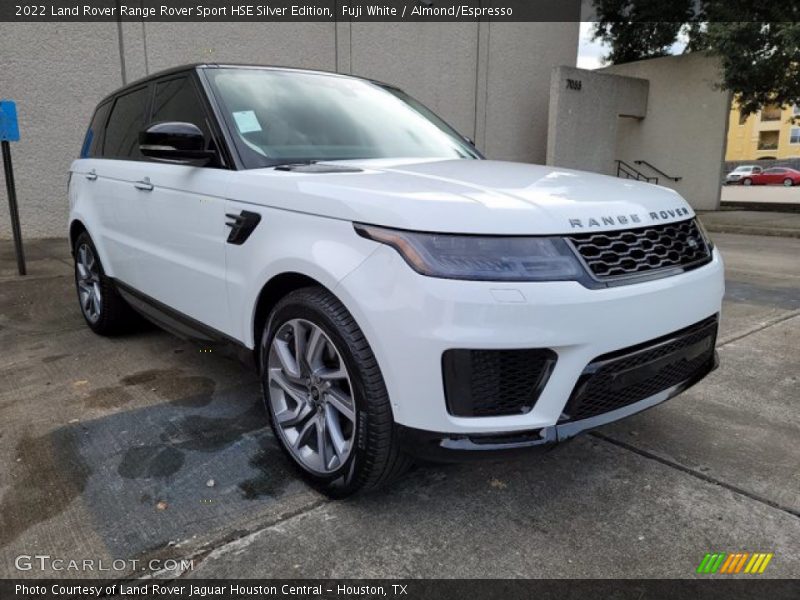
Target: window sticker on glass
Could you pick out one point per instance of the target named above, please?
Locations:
(246, 121)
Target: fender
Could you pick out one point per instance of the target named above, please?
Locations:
(323, 249)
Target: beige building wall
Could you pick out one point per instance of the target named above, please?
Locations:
(586, 109)
(665, 111)
(685, 130)
(489, 80)
(56, 74)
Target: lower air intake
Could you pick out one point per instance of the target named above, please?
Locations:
(621, 378)
(493, 383)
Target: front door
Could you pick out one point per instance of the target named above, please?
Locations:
(184, 258)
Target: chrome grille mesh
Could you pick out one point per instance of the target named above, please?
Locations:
(611, 254)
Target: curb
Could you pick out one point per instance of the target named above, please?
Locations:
(780, 207)
(749, 230)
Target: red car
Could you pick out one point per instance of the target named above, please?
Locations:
(774, 176)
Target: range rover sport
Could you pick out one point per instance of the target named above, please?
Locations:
(402, 296)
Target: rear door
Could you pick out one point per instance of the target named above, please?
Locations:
(184, 250)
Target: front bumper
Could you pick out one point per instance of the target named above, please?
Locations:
(447, 447)
(410, 321)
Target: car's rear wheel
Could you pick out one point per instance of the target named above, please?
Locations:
(788, 182)
(104, 310)
(747, 181)
(326, 397)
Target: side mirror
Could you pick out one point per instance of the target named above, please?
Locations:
(175, 141)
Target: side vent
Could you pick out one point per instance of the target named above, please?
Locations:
(242, 226)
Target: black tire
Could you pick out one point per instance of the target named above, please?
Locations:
(115, 316)
(375, 458)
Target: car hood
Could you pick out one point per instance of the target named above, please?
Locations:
(464, 196)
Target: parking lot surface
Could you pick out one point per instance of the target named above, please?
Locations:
(147, 446)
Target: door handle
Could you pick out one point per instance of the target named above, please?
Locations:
(144, 185)
(91, 175)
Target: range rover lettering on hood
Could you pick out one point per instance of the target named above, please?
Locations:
(631, 219)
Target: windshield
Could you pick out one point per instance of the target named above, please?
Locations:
(287, 116)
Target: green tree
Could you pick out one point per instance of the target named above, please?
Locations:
(757, 41)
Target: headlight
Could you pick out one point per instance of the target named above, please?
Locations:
(479, 257)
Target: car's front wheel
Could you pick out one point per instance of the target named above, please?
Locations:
(747, 181)
(104, 310)
(326, 396)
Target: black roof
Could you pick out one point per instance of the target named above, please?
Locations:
(195, 66)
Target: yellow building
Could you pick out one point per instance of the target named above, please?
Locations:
(769, 133)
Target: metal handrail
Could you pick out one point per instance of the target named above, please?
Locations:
(657, 170)
(629, 172)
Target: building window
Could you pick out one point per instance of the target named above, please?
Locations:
(771, 112)
(742, 118)
(794, 135)
(768, 140)
(796, 110)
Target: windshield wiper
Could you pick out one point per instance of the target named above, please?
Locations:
(291, 164)
(315, 166)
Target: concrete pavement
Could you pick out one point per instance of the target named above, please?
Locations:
(145, 447)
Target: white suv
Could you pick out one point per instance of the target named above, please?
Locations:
(401, 295)
(741, 174)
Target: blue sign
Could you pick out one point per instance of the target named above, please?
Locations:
(9, 129)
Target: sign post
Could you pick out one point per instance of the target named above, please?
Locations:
(9, 132)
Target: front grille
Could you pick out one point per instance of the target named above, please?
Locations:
(621, 378)
(492, 383)
(633, 252)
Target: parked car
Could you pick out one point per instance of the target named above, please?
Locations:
(401, 295)
(740, 172)
(774, 176)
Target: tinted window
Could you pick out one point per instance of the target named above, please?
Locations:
(127, 120)
(774, 171)
(177, 100)
(94, 135)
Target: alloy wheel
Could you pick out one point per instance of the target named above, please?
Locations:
(311, 397)
(88, 280)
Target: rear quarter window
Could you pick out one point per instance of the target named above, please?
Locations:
(92, 142)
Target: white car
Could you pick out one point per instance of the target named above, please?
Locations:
(740, 174)
(401, 295)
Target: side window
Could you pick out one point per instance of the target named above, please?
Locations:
(127, 120)
(94, 135)
(177, 100)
